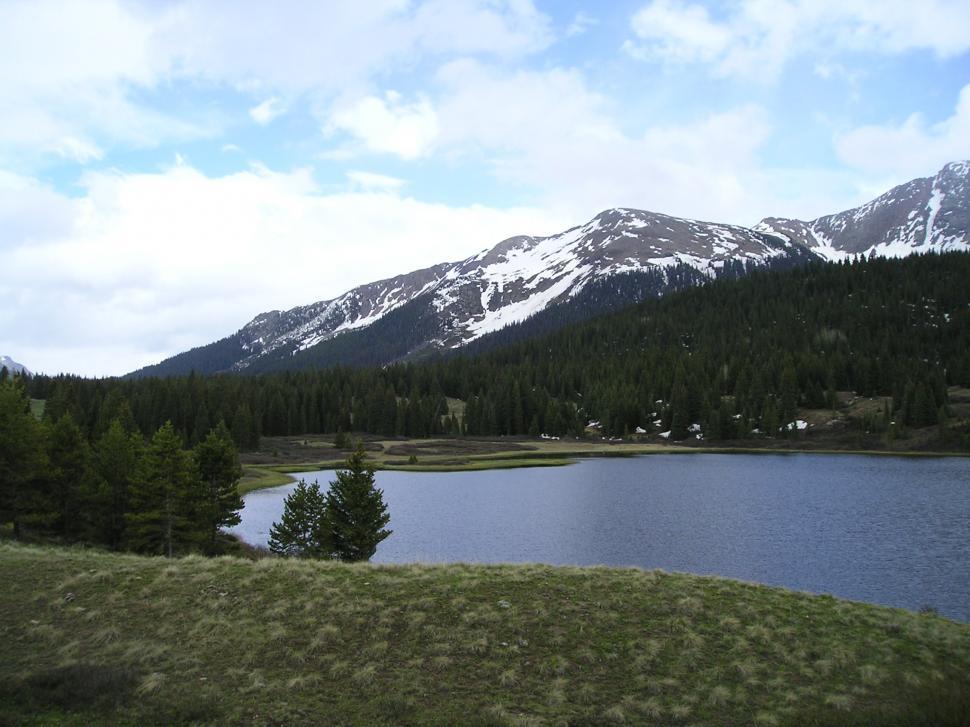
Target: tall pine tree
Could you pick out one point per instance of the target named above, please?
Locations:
(165, 498)
(356, 515)
(299, 532)
(218, 465)
(116, 461)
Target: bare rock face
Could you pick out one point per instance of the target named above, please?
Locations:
(524, 275)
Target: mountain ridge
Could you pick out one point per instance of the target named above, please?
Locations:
(13, 367)
(521, 276)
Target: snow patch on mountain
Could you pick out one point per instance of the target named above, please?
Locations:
(524, 275)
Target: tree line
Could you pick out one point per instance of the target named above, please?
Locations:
(735, 357)
(120, 491)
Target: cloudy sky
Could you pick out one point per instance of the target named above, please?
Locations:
(169, 170)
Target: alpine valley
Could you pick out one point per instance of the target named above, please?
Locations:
(536, 284)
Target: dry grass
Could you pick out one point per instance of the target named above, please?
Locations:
(273, 641)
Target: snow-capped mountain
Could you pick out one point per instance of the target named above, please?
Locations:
(452, 304)
(931, 214)
(12, 366)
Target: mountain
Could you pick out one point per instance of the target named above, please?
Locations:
(861, 352)
(619, 257)
(931, 214)
(12, 366)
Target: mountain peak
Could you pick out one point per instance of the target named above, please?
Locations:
(13, 367)
(451, 304)
(960, 169)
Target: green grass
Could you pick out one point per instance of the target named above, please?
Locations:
(96, 638)
(258, 478)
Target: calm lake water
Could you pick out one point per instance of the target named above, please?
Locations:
(888, 530)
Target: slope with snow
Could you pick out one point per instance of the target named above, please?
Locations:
(524, 275)
(931, 214)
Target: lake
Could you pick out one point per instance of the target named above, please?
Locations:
(888, 530)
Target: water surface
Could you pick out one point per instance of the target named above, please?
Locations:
(888, 530)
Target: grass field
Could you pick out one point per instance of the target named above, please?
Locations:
(258, 478)
(96, 638)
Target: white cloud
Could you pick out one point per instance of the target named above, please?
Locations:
(581, 22)
(547, 131)
(79, 70)
(178, 259)
(64, 77)
(909, 149)
(79, 150)
(757, 38)
(301, 46)
(369, 181)
(388, 125)
(674, 30)
(268, 110)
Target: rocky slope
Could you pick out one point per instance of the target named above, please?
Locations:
(452, 304)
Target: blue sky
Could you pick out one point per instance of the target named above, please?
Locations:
(169, 170)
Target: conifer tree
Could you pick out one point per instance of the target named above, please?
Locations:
(70, 477)
(789, 394)
(116, 462)
(22, 457)
(300, 532)
(356, 515)
(165, 498)
(217, 461)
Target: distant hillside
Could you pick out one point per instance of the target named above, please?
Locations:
(448, 306)
(729, 360)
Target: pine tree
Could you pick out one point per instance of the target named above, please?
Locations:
(769, 418)
(116, 462)
(22, 458)
(165, 498)
(341, 440)
(218, 465)
(789, 395)
(355, 513)
(70, 477)
(245, 432)
(300, 531)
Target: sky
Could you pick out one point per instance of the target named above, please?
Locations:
(169, 170)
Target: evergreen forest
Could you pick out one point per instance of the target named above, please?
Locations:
(735, 358)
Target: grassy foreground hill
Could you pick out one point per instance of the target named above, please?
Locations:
(90, 638)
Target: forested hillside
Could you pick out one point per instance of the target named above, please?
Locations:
(736, 357)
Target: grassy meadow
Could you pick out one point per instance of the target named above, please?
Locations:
(97, 638)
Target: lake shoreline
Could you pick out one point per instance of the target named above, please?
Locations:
(262, 476)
